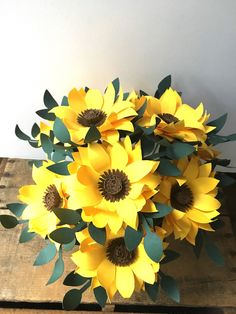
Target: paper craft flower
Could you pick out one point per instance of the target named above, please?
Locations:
(175, 119)
(207, 152)
(112, 184)
(193, 198)
(48, 192)
(113, 266)
(123, 173)
(92, 109)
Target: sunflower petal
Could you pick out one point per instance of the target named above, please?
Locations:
(125, 281)
(139, 169)
(127, 210)
(76, 100)
(94, 99)
(192, 170)
(206, 202)
(88, 196)
(98, 157)
(143, 270)
(204, 185)
(205, 170)
(106, 273)
(87, 176)
(197, 216)
(119, 157)
(89, 260)
(109, 98)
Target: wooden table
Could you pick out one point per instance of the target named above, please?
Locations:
(204, 287)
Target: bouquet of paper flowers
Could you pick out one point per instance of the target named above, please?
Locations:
(124, 175)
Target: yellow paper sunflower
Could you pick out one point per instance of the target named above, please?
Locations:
(91, 108)
(48, 192)
(192, 197)
(112, 265)
(112, 184)
(176, 120)
(207, 152)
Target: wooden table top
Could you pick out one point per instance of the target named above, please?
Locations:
(201, 282)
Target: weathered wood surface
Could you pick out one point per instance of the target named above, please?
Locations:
(31, 311)
(201, 282)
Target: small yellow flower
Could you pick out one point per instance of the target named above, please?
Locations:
(192, 197)
(48, 192)
(177, 120)
(112, 184)
(112, 266)
(91, 108)
(207, 152)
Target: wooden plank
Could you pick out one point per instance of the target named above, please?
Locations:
(201, 282)
(32, 311)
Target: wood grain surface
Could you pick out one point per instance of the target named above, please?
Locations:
(201, 282)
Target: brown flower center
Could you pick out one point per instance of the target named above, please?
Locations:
(52, 198)
(181, 197)
(91, 117)
(168, 118)
(114, 185)
(118, 254)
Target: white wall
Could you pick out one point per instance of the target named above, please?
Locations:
(59, 44)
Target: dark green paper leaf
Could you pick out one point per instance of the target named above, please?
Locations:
(62, 235)
(35, 130)
(80, 226)
(163, 86)
(179, 150)
(97, 234)
(16, 208)
(100, 295)
(169, 256)
(213, 252)
(147, 146)
(218, 123)
(166, 168)
(46, 143)
(21, 135)
(116, 85)
(38, 163)
(8, 221)
(153, 246)
(58, 155)
(169, 286)
(73, 279)
(142, 93)
(34, 144)
(92, 135)
(163, 210)
(45, 114)
(64, 101)
(60, 131)
(152, 290)
(72, 300)
(132, 238)
(46, 255)
(69, 246)
(26, 235)
(49, 101)
(60, 168)
(58, 269)
(149, 130)
(67, 216)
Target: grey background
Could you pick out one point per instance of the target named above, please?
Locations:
(61, 44)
